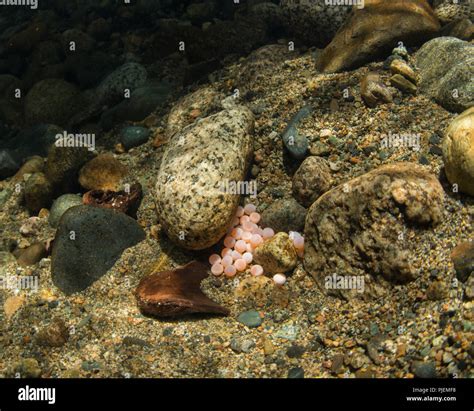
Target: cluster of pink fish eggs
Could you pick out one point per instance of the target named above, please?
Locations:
(244, 236)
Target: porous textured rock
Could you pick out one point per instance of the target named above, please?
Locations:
(192, 206)
(276, 255)
(363, 226)
(373, 31)
(312, 179)
(446, 72)
(103, 172)
(88, 242)
(458, 152)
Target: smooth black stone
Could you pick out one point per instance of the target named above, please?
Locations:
(101, 235)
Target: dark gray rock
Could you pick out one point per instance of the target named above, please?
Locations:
(88, 242)
(296, 143)
(284, 215)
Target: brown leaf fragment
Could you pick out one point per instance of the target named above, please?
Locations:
(176, 292)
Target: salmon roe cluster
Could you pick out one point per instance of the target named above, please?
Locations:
(242, 239)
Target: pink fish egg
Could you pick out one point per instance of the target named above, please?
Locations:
(217, 269)
(249, 248)
(236, 255)
(279, 279)
(235, 221)
(300, 253)
(237, 233)
(246, 235)
(247, 226)
(240, 264)
(259, 231)
(214, 258)
(240, 246)
(248, 257)
(255, 217)
(230, 271)
(225, 251)
(268, 233)
(298, 242)
(229, 242)
(256, 270)
(227, 260)
(249, 209)
(244, 219)
(256, 240)
(240, 211)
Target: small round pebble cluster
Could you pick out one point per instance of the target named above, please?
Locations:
(242, 239)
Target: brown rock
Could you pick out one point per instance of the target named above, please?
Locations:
(34, 165)
(312, 179)
(403, 84)
(103, 172)
(398, 66)
(361, 226)
(373, 91)
(276, 255)
(32, 254)
(373, 31)
(463, 260)
(176, 292)
(54, 335)
(38, 193)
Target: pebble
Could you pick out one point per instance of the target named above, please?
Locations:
(296, 143)
(76, 262)
(296, 372)
(61, 205)
(134, 136)
(424, 369)
(250, 318)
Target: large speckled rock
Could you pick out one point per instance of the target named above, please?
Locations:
(129, 76)
(446, 72)
(458, 152)
(192, 207)
(276, 255)
(367, 224)
(357, 42)
(201, 103)
(313, 22)
(88, 242)
(52, 101)
(63, 165)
